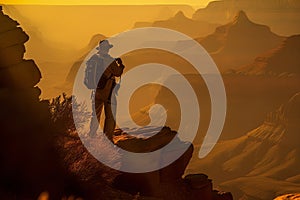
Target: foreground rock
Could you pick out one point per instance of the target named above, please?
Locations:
(29, 163)
(106, 183)
(165, 183)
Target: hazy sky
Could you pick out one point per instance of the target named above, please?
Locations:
(107, 2)
(66, 24)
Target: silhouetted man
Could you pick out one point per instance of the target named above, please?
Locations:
(104, 96)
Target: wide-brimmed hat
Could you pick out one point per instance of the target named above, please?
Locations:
(104, 44)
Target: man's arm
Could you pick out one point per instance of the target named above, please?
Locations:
(117, 67)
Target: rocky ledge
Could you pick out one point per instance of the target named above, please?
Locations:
(165, 183)
(168, 182)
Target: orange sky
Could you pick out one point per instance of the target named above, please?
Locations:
(106, 2)
(66, 24)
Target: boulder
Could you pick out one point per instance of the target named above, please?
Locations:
(143, 145)
(167, 182)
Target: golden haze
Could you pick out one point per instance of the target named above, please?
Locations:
(107, 2)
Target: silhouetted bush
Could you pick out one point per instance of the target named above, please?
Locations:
(62, 114)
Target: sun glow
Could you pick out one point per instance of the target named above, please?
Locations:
(106, 2)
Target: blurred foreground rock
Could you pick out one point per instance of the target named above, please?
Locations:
(289, 197)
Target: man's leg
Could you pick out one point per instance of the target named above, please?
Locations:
(97, 106)
(110, 123)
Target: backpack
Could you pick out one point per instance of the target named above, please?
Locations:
(94, 67)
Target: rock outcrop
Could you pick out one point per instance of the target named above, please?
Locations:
(15, 71)
(29, 164)
(165, 183)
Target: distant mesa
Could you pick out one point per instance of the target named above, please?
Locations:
(280, 61)
(239, 42)
(180, 15)
(181, 23)
(241, 17)
(283, 16)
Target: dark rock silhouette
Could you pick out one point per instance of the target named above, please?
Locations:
(53, 58)
(280, 61)
(239, 42)
(29, 163)
(166, 183)
(22, 75)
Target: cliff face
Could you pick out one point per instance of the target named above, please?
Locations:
(29, 164)
(15, 71)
